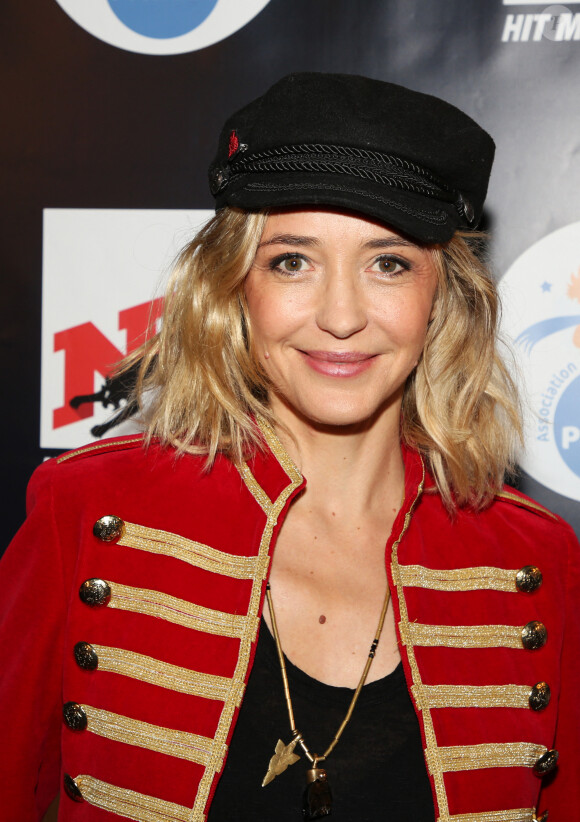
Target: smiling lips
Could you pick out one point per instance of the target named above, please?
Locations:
(338, 363)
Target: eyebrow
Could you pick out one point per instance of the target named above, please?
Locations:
(390, 242)
(290, 239)
(304, 240)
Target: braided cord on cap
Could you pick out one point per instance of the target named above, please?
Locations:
(331, 159)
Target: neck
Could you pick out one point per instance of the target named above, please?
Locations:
(356, 468)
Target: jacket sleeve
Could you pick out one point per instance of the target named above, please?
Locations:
(32, 622)
(560, 794)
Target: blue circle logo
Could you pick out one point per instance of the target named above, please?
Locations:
(162, 26)
(162, 18)
(567, 426)
(541, 314)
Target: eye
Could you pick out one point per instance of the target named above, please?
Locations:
(289, 263)
(389, 265)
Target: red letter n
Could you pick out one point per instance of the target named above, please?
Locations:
(86, 350)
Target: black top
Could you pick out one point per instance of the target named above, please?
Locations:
(376, 771)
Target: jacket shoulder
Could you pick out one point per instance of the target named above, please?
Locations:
(511, 496)
(106, 446)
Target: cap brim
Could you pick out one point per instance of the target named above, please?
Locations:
(426, 220)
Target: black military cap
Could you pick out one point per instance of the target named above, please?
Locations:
(408, 159)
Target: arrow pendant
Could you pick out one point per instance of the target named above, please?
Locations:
(283, 757)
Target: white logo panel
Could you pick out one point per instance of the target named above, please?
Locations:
(541, 316)
(101, 290)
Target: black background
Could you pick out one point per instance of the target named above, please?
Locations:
(89, 125)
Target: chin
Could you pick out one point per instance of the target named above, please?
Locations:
(335, 414)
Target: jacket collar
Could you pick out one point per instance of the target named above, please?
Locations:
(275, 473)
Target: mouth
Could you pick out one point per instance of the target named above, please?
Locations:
(338, 363)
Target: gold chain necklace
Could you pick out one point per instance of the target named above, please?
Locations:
(317, 800)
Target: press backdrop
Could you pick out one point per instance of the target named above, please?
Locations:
(111, 109)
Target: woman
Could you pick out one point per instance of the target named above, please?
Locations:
(333, 322)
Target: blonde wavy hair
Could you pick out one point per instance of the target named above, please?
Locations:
(202, 387)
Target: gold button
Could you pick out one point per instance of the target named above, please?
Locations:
(534, 635)
(546, 763)
(86, 656)
(95, 592)
(109, 528)
(528, 579)
(72, 789)
(539, 696)
(74, 716)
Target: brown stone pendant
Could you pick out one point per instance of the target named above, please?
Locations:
(317, 797)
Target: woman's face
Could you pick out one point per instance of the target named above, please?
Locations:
(339, 307)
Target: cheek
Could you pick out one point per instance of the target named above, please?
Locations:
(274, 313)
(267, 323)
(258, 309)
(406, 323)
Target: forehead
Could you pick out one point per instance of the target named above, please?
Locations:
(341, 231)
(323, 221)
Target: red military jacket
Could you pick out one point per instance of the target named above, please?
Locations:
(132, 594)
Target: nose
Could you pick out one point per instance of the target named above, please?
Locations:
(342, 307)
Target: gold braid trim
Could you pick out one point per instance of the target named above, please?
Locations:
(475, 696)
(183, 745)
(428, 729)
(100, 446)
(462, 636)
(272, 511)
(178, 611)
(194, 553)
(255, 489)
(155, 672)
(460, 579)
(279, 452)
(492, 755)
(431, 749)
(515, 815)
(129, 804)
(526, 503)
